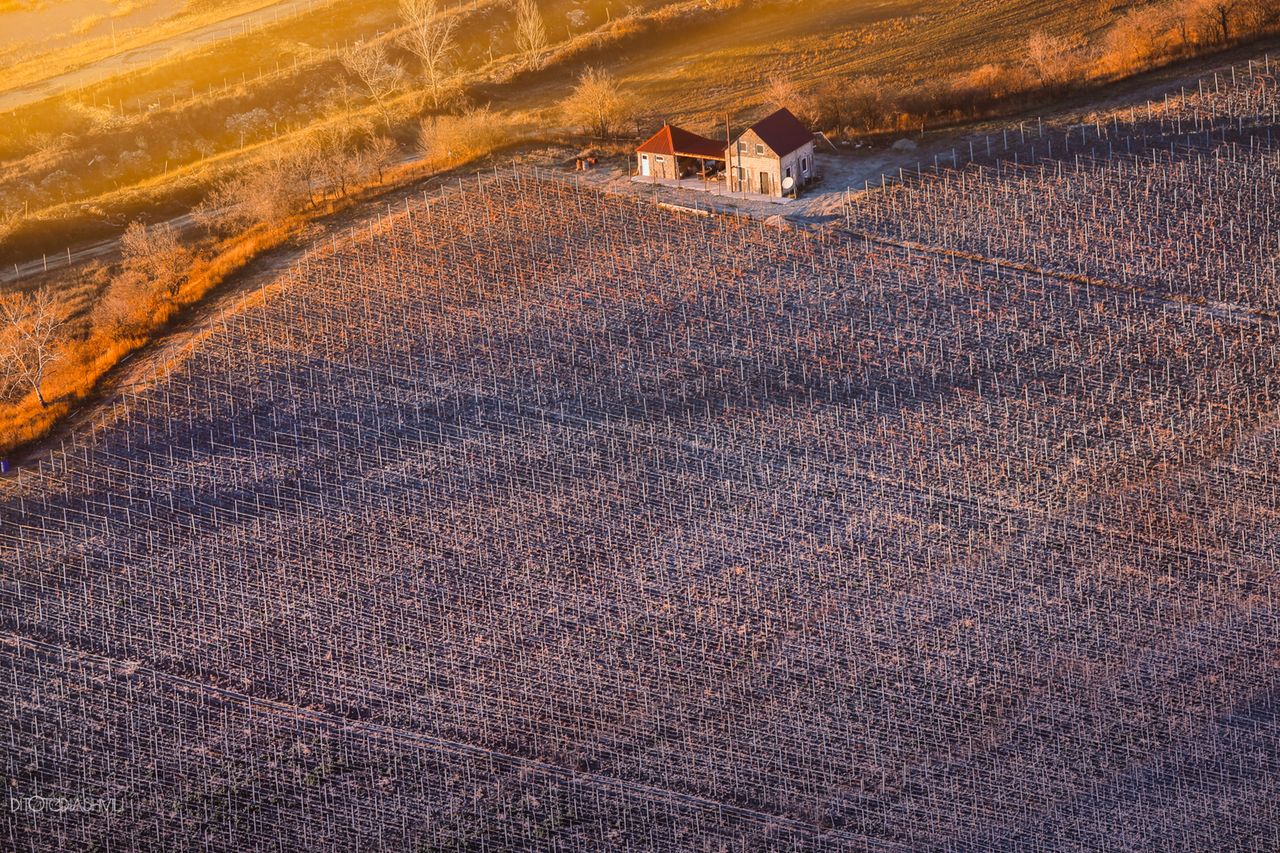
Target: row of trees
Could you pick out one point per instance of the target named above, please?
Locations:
(1167, 29)
(328, 162)
(431, 35)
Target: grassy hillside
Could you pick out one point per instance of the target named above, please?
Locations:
(691, 61)
(69, 161)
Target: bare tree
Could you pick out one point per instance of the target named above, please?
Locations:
(339, 147)
(783, 92)
(430, 37)
(1220, 14)
(376, 155)
(1181, 18)
(156, 254)
(370, 65)
(597, 104)
(29, 343)
(531, 32)
(1052, 58)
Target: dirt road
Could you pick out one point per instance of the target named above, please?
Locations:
(158, 50)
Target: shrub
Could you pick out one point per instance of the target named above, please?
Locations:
(456, 139)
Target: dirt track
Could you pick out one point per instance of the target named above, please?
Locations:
(137, 57)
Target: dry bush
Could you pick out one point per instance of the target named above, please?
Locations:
(1261, 16)
(128, 307)
(979, 89)
(783, 92)
(10, 220)
(156, 255)
(597, 104)
(457, 139)
(1136, 40)
(148, 288)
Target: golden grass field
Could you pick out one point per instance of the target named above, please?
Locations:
(120, 146)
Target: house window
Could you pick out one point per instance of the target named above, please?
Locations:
(788, 171)
(742, 147)
(660, 159)
(742, 173)
(760, 150)
(804, 165)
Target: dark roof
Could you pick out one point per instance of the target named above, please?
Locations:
(677, 141)
(782, 132)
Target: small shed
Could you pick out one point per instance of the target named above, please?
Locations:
(773, 157)
(674, 152)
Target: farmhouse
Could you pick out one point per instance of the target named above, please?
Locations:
(768, 153)
(674, 152)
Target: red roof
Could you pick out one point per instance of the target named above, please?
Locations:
(676, 141)
(782, 132)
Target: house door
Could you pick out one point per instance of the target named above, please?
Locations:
(644, 165)
(764, 183)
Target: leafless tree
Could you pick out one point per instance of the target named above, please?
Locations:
(338, 147)
(597, 104)
(783, 92)
(531, 32)
(1052, 58)
(1220, 14)
(29, 343)
(430, 37)
(376, 72)
(157, 255)
(1181, 19)
(376, 155)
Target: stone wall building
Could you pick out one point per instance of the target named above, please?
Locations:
(674, 152)
(773, 157)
